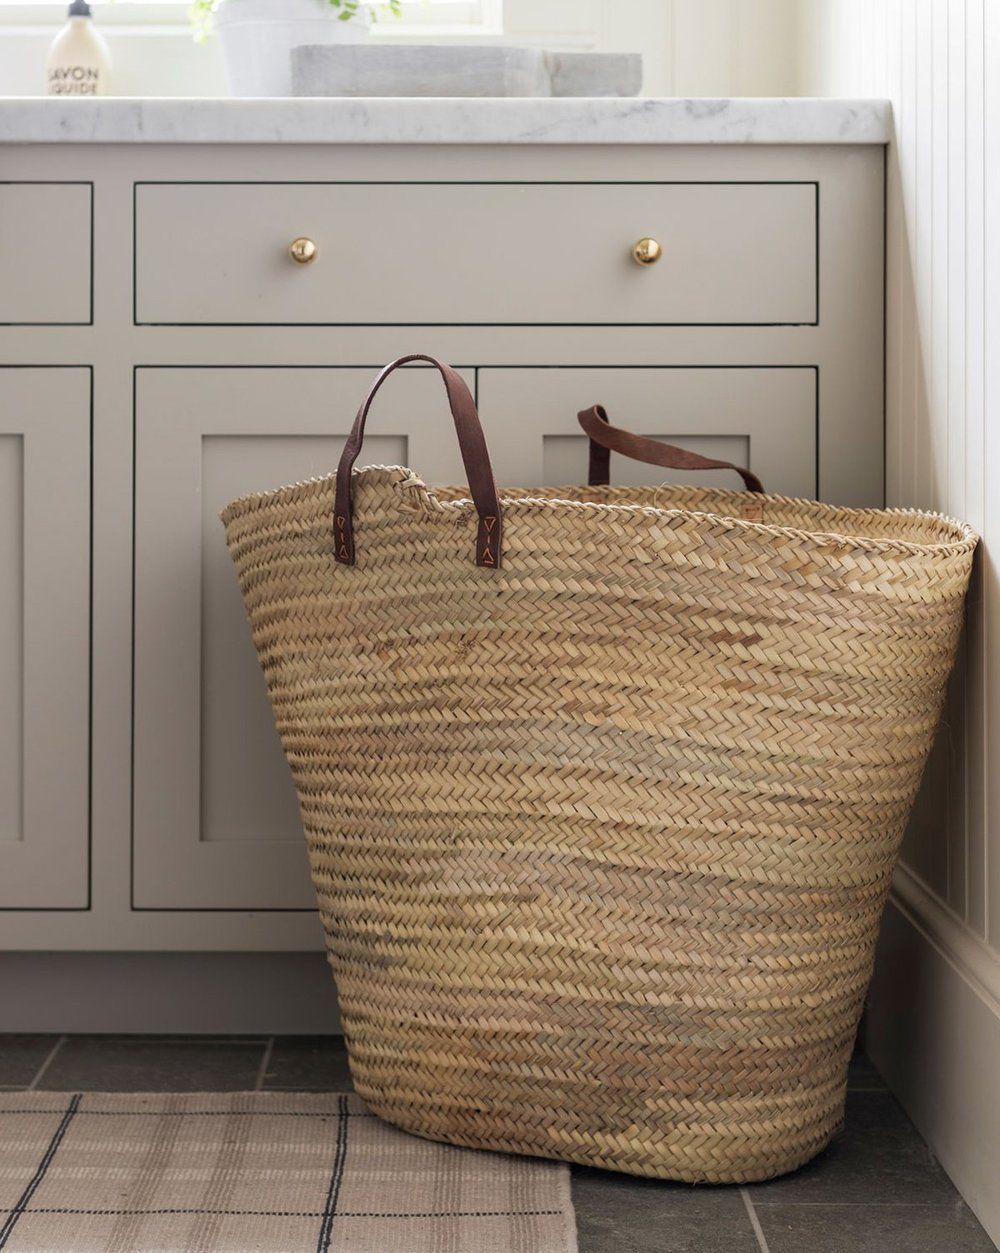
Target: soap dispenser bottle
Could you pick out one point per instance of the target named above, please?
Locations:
(79, 63)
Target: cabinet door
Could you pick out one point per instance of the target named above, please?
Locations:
(762, 417)
(44, 637)
(215, 822)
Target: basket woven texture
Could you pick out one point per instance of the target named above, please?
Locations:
(602, 839)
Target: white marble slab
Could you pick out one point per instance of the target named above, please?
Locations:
(432, 121)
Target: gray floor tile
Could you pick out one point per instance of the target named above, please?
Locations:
(135, 1064)
(308, 1063)
(873, 1229)
(877, 1157)
(621, 1214)
(21, 1056)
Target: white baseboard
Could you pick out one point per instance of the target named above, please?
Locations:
(168, 993)
(933, 1030)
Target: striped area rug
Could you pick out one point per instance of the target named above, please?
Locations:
(258, 1172)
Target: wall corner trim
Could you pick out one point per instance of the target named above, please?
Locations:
(964, 950)
(933, 1032)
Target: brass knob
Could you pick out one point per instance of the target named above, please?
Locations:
(302, 251)
(647, 252)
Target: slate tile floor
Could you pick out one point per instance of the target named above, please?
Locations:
(876, 1189)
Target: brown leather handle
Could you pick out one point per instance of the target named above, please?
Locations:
(475, 455)
(605, 439)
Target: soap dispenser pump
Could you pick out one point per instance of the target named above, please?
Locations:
(79, 63)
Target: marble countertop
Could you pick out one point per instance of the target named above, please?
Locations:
(436, 121)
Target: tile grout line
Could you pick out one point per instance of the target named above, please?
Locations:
(265, 1062)
(46, 1063)
(758, 1230)
(880, 1205)
(175, 1041)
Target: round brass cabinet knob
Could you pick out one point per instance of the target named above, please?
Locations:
(303, 251)
(647, 252)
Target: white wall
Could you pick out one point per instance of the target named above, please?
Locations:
(935, 1007)
(691, 47)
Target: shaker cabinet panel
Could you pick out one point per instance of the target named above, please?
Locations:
(44, 637)
(45, 253)
(761, 417)
(215, 820)
(739, 253)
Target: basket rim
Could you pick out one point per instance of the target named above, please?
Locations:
(408, 483)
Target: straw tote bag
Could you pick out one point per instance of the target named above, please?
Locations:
(602, 789)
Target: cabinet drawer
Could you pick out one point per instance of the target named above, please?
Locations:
(45, 234)
(477, 253)
(763, 417)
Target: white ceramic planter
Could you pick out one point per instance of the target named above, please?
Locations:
(257, 38)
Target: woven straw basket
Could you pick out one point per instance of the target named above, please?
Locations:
(603, 789)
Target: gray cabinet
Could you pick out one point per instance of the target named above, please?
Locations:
(44, 637)
(145, 805)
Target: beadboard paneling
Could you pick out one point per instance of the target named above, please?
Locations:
(938, 60)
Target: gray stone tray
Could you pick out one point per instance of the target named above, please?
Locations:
(457, 70)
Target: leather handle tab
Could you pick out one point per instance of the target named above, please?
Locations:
(606, 439)
(475, 455)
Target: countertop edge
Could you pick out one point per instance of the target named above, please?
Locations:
(643, 120)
